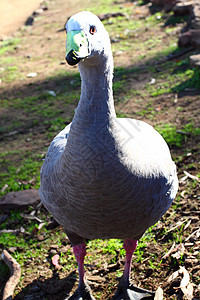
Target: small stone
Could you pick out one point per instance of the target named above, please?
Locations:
(118, 53)
(44, 7)
(17, 47)
(190, 38)
(185, 8)
(40, 237)
(38, 11)
(115, 40)
(29, 21)
(153, 80)
(12, 249)
(162, 2)
(33, 74)
(53, 251)
(52, 93)
(195, 60)
(54, 246)
(22, 230)
(17, 200)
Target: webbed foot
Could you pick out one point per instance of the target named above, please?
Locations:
(132, 292)
(83, 293)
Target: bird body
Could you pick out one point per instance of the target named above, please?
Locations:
(103, 176)
(99, 186)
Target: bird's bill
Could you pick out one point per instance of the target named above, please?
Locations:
(77, 46)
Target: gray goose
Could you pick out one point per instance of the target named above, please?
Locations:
(104, 177)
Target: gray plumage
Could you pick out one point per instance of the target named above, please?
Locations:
(105, 177)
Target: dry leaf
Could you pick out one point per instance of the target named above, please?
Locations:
(181, 250)
(54, 260)
(158, 294)
(171, 250)
(186, 277)
(188, 291)
(173, 276)
(185, 285)
(187, 225)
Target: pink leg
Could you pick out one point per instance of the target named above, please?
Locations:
(80, 252)
(129, 246)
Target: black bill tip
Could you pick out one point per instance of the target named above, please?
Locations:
(72, 58)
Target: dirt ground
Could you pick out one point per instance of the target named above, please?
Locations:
(13, 14)
(46, 283)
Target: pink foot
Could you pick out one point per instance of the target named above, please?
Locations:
(129, 246)
(83, 291)
(126, 290)
(80, 252)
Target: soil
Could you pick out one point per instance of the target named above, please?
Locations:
(44, 39)
(14, 13)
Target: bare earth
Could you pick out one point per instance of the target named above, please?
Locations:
(13, 14)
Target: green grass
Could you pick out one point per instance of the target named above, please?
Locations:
(8, 45)
(19, 170)
(181, 79)
(172, 135)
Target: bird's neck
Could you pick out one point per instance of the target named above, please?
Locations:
(96, 102)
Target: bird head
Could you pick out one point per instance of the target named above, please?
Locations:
(87, 39)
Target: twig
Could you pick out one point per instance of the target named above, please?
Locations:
(191, 176)
(195, 232)
(29, 217)
(15, 270)
(177, 225)
(172, 249)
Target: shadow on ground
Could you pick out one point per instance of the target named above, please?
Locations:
(51, 288)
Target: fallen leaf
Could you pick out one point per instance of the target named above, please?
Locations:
(188, 291)
(171, 250)
(54, 260)
(186, 277)
(158, 294)
(96, 278)
(180, 250)
(187, 225)
(173, 276)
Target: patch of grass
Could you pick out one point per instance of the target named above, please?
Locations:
(173, 137)
(147, 111)
(182, 77)
(142, 2)
(8, 45)
(10, 73)
(22, 174)
(190, 81)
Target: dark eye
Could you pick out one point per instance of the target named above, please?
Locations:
(93, 29)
